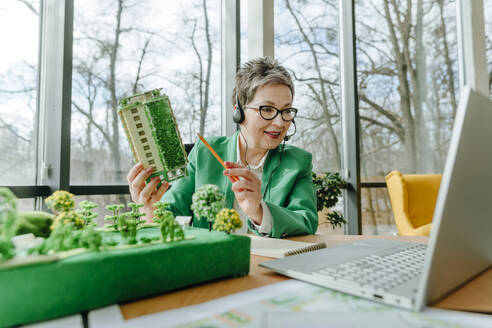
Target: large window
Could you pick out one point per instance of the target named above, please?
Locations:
(406, 73)
(18, 91)
(127, 47)
(408, 92)
(306, 42)
(488, 38)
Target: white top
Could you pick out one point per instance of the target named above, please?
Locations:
(266, 224)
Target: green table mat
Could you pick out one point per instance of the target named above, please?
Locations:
(94, 279)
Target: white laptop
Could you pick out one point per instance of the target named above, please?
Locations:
(411, 275)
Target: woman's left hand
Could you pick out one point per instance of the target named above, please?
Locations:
(247, 190)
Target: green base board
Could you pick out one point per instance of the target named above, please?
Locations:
(96, 279)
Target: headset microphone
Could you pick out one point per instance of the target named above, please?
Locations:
(287, 137)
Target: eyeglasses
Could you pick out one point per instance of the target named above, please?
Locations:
(269, 113)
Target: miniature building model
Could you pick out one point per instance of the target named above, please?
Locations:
(151, 129)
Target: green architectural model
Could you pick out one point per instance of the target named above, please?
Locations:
(96, 267)
(151, 129)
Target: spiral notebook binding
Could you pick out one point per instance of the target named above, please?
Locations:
(306, 249)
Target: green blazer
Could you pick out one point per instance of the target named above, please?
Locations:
(287, 186)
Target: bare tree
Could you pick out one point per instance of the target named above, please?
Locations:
(319, 87)
(407, 63)
(106, 80)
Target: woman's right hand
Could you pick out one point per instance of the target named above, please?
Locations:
(146, 194)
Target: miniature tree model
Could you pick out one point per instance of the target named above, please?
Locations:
(171, 229)
(65, 237)
(60, 201)
(152, 132)
(69, 217)
(161, 213)
(207, 201)
(135, 213)
(168, 226)
(91, 239)
(127, 225)
(86, 212)
(61, 239)
(8, 212)
(227, 220)
(7, 250)
(115, 209)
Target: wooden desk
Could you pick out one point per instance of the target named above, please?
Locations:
(477, 293)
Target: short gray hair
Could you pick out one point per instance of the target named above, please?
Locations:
(256, 73)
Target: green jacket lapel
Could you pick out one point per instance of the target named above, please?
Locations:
(231, 157)
(271, 164)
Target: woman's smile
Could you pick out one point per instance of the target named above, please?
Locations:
(273, 134)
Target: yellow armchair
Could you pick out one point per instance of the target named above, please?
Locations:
(413, 198)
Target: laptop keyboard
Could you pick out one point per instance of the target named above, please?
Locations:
(383, 271)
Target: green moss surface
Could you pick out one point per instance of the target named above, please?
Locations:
(34, 222)
(94, 279)
(166, 133)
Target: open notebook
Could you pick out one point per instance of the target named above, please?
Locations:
(277, 248)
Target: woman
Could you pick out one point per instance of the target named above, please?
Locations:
(274, 194)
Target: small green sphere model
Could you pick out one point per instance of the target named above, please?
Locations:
(153, 134)
(227, 220)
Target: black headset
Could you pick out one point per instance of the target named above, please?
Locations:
(238, 118)
(238, 115)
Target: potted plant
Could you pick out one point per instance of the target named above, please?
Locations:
(328, 189)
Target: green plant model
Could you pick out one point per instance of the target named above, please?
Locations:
(36, 222)
(170, 229)
(69, 217)
(86, 212)
(127, 226)
(60, 201)
(227, 220)
(207, 201)
(8, 212)
(113, 219)
(328, 189)
(75, 228)
(135, 212)
(161, 213)
(7, 250)
(65, 237)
